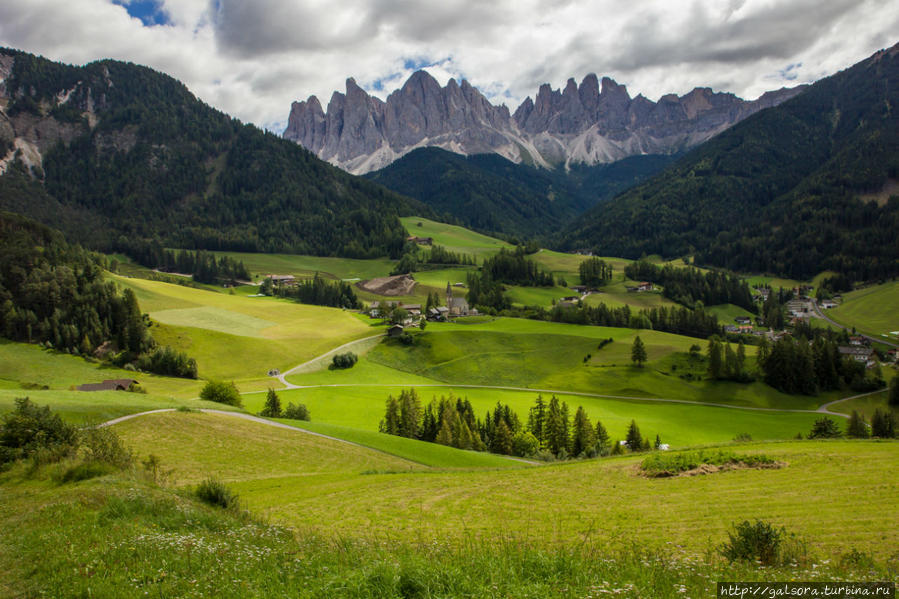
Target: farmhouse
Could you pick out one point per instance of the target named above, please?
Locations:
(108, 385)
(420, 240)
(282, 279)
(828, 304)
(858, 340)
(743, 320)
(413, 309)
(857, 353)
(395, 331)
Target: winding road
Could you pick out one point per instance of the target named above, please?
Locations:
(821, 315)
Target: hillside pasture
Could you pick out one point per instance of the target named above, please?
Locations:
(873, 310)
(602, 500)
(454, 238)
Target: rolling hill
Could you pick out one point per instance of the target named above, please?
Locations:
(796, 189)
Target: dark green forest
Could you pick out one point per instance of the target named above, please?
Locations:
(160, 164)
(491, 194)
(783, 191)
(687, 286)
(54, 293)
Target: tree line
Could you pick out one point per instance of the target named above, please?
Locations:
(686, 286)
(595, 272)
(550, 432)
(54, 293)
(678, 320)
(319, 292)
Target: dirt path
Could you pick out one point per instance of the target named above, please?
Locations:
(322, 358)
(825, 409)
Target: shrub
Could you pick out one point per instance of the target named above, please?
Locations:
(857, 426)
(102, 445)
(221, 392)
(216, 493)
(743, 437)
(759, 541)
(347, 360)
(524, 444)
(85, 471)
(29, 429)
(669, 464)
(296, 412)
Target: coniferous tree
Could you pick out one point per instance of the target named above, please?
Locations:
(502, 440)
(602, 439)
(825, 428)
(537, 420)
(583, 436)
(883, 424)
(857, 427)
(638, 352)
(894, 392)
(410, 414)
(272, 407)
(634, 438)
(716, 366)
(391, 423)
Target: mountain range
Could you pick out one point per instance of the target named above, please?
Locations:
(590, 123)
(810, 185)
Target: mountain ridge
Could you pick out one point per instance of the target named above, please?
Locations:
(591, 123)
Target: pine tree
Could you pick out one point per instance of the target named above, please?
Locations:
(602, 439)
(883, 424)
(410, 414)
(894, 392)
(857, 427)
(638, 352)
(537, 419)
(763, 352)
(730, 363)
(272, 407)
(634, 438)
(741, 361)
(445, 434)
(391, 422)
(502, 440)
(583, 436)
(715, 363)
(825, 428)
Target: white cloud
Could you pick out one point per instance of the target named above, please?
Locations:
(252, 58)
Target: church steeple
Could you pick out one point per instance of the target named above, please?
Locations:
(449, 295)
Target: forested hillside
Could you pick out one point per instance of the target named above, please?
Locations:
(54, 293)
(488, 193)
(126, 154)
(796, 189)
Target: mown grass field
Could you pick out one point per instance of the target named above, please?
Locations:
(454, 238)
(873, 310)
(541, 355)
(27, 366)
(238, 337)
(303, 266)
(94, 407)
(831, 494)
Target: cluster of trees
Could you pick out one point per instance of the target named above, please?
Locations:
(549, 431)
(595, 272)
(687, 286)
(798, 367)
(682, 321)
(204, 266)
(514, 268)
(319, 292)
(441, 255)
(273, 409)
(727, 364)
(54, 293)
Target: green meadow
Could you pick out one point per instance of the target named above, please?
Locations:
(239, 337)
(454, 238)
(873, 310)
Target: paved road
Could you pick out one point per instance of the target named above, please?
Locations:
(825, 409)
(821, 315)
(283, 376)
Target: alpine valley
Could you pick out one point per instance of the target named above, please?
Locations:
(428, 347)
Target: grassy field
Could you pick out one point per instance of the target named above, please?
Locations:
(238, 337)
(606, 501)
(542, 355)
(454, 238)
(94, 407)
(27, 366)
(726, 313)
(306, 266)
(361, 408)
(872, 310)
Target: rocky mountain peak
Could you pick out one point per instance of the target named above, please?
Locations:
(594, 122)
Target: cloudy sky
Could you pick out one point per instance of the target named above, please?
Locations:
(252, 58)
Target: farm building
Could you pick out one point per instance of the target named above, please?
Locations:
(108, 385)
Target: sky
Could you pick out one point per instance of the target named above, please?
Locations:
(252, 58)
